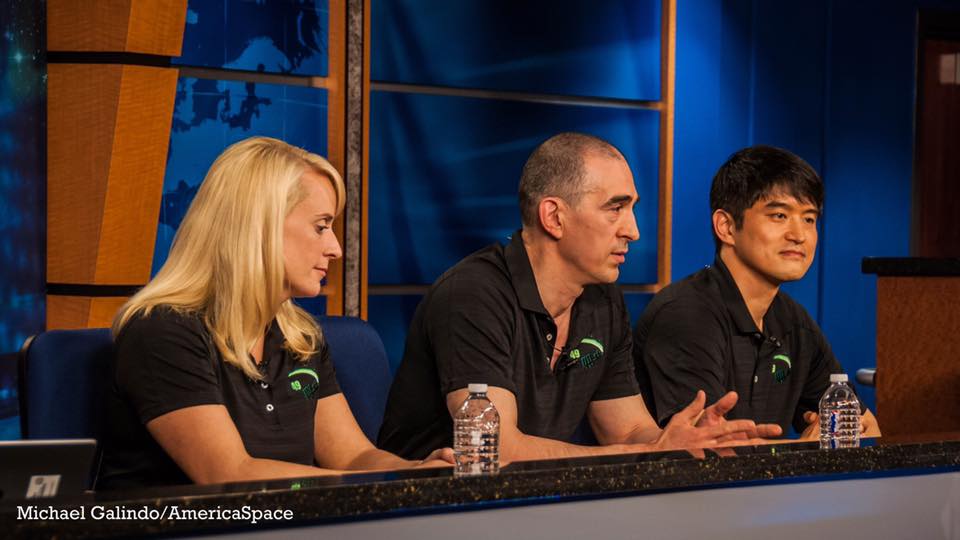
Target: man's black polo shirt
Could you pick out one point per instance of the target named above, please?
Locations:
(167, 361)
(483, 322)
(698, 334)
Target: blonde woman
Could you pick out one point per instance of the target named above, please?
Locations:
(219, 376)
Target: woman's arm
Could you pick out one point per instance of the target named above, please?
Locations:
(205, 443)
(339, 443)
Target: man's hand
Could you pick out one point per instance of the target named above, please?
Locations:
(714, 416)
(812, 431)
(868, 426)
(684, 429)
(441, 457)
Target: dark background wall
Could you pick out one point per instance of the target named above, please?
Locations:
(831, 81)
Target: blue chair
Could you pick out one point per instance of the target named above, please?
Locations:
(363, 370)
(64, 379)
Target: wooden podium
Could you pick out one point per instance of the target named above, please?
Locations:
(918, 344)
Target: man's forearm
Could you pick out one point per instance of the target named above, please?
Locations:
(644, 435)
(520, 447)
(378, 460)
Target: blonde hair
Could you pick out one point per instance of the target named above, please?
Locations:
(226, 262)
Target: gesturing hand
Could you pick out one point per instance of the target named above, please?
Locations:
(696, 427)
(714, 415)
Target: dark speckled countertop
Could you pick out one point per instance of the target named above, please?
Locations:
(369, 496)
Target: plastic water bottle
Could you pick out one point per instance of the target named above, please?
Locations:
(839, 415)
(476, 434)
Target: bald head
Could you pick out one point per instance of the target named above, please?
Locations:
(557, 169)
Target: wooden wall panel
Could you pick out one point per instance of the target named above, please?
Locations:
(73, 312)
(135, 183)
(108, 128)
(139, 26)
(918, 344)
(108, 131)
(81, 115)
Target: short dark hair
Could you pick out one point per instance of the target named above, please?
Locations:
(556, 168)
(754, 173)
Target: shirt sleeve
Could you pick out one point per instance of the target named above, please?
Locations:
(327, 377)
(164, 364)
(471, 325)
(682, 354)
(618, 377)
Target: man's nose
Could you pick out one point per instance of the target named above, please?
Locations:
(796, 231)
(630, 230)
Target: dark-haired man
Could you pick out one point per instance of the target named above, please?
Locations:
(540, 321)
(729, 326)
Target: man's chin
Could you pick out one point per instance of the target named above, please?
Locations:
(612, 276)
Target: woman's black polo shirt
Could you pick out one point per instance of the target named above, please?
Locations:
(483, 322)
(698, 334)
(167, 361)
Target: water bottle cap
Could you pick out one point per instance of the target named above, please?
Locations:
(838, 377)
(475, 388)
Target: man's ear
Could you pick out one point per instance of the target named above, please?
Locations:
(550, 211)
(724, 226)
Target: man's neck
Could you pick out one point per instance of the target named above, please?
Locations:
(557, 292)
(757, 292)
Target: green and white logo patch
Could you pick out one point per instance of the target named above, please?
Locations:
(780, 368)
(587, 352)
(304, 381)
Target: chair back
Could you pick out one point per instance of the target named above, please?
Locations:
(363, 370)
(64, 380)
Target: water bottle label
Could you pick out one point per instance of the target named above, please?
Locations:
(834, 422)
(475, 438)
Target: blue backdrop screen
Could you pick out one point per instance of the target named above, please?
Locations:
(280, 36)
(210, 115)
(605, 49)
(444, 172)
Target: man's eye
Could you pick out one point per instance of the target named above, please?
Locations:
(321, 228)
(779, 216)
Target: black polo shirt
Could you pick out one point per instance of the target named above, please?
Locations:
(167, 361)
(698, 334)
(483, 322)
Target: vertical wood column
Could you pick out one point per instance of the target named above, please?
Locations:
(109, 110)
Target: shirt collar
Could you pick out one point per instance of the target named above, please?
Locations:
(521, 275)
(525, 284)
(732, 298)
